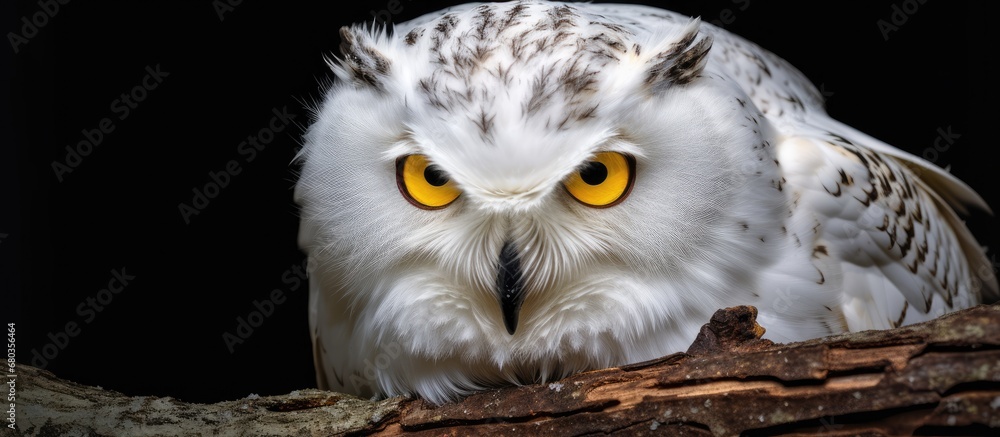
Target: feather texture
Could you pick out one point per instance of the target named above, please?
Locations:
(740, 191)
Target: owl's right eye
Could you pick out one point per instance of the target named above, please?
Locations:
(604, 181)
(424, 184)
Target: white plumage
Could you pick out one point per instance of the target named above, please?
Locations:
(510, 193)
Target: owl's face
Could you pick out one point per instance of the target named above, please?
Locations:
(517, 192)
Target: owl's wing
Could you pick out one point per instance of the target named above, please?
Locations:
(881, 229)
(792, 103)
(955, 193)
(890, 215)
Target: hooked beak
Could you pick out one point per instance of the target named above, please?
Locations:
(510, 286)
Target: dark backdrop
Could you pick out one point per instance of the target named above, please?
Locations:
(115, 217)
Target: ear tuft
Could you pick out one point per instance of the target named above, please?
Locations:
(682, 60)
(361, 61)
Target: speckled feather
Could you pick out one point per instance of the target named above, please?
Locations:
(745, 192)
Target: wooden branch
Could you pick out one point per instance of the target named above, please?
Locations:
(937, 377)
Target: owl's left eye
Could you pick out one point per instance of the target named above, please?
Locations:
(424, 184)
(603, 181)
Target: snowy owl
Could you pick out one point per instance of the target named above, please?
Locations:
(510, 193)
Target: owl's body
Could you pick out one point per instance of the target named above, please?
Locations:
(720, 181)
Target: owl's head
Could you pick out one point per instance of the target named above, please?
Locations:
(524, 177)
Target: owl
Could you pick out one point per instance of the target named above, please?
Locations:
(510, 193)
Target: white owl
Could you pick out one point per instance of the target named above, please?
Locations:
(510, 193)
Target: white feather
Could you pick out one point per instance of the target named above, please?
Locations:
(739, 198)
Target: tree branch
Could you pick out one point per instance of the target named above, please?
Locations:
(937, 377)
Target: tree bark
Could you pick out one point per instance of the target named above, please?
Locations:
(937, 377)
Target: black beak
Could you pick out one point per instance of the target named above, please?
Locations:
(510, 286)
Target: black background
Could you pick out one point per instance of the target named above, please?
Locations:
(163, 335)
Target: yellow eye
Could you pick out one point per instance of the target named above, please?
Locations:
(603, 181)
(424, 184)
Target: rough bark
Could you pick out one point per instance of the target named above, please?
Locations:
(933, 378)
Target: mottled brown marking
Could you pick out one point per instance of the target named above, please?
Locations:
(561, 17)
(445, 26)
(885, 223)
(539, 94)
(834, 193)
(412, 36)
(934, 265)
(365, 64)
(892, 237)
(690, 63)
(485, 22)
(587, 113)
(513, 17)
(902, 315)
(681, 62)
(610, 43)
(908, 231)
(845, 179)
(844, 141)
(484, 122)
(819, 250)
